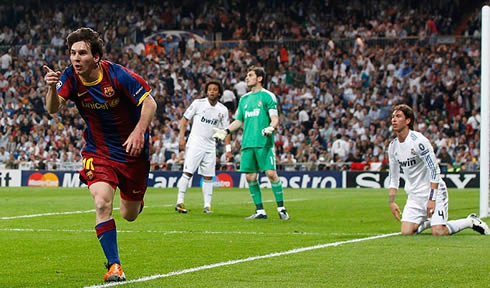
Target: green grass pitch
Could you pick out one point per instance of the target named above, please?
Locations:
(61, 250)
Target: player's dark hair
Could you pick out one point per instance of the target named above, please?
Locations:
(260, 72)
(91, 37)
(215, 82)
(408, 112)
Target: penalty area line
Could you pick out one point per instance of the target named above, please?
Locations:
(249, 259)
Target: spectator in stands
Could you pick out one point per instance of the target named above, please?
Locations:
(340, 148)
(4, 155)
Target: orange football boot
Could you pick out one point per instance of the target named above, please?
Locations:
(115, 273)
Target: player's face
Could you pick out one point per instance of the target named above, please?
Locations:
(82, 59)
(213, 93)
(251, 79)
(399, 121)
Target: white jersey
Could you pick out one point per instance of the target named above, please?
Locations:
(204, 117)
(415, 159)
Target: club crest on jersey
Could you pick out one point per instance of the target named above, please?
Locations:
(109, 91)
(259, 103)
(412, 152)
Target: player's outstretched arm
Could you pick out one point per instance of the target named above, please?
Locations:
(220, 134)
(51, 78)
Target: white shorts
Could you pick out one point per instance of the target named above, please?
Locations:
(205, 160)
(415, 211)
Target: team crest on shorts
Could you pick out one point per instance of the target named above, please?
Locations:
(90, 175)
(108, 91)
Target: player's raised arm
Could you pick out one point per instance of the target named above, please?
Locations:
(52, 101)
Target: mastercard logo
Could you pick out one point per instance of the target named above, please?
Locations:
(43, 180)
(223, 180)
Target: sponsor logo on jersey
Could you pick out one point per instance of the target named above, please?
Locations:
(109, 91)
(409, 162)
(101, 106)
(253, 113)
(209, 121)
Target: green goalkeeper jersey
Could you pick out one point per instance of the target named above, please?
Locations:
(253, 112)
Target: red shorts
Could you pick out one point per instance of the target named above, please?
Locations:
(131, 178)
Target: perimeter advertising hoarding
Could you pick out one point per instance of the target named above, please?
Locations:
(168, 179)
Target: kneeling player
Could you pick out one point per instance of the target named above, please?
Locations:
(411, 154)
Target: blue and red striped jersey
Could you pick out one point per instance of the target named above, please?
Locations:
(110, 106)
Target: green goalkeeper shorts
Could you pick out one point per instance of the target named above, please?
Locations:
(257, 159)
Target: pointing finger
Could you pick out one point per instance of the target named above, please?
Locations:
(47, 69)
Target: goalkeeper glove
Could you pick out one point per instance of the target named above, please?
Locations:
(267, 131)
(220, 134)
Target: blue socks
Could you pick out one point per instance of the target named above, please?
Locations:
(107, 235)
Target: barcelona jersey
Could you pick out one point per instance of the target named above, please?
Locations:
(110, 106)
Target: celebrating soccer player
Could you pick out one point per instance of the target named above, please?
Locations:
(411, 154)
(206, 114)
(257, 112)
(117, 107)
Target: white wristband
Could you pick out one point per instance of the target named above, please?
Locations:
(228, 148)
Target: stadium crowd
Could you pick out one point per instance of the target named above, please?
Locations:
(335, 86)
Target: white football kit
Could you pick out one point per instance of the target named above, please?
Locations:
(201, 146)
(415, 159)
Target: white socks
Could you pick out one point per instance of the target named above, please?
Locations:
(182, 185)
(207, 192)
(454, 226)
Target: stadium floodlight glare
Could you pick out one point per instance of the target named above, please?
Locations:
(484, 112)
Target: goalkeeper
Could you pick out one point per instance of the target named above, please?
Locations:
(257, 113)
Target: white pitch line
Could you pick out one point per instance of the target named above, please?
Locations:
(48, 214)
(64, 213)
(93, 210)
(232, 262)
(169, 232)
